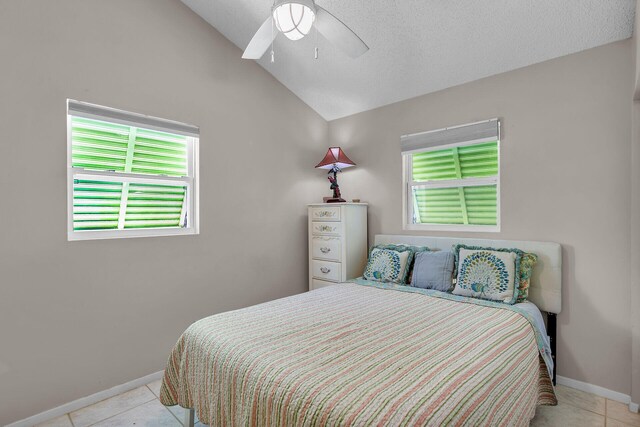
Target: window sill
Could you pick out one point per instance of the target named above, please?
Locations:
(122, 234)
(453, 227)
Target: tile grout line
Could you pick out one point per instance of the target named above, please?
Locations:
(119, 413)
(593, 412)
(616, 419)
(152, 392)
(589, 410)
(171, 412)
(166, 407)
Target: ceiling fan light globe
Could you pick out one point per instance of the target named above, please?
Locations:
(294, 20)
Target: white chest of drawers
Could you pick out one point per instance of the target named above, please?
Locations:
(337, 242)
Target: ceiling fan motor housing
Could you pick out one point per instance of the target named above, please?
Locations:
(294, 18)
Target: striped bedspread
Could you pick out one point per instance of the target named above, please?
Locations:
(357, 355)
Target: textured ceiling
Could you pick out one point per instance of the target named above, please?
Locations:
(420, 46)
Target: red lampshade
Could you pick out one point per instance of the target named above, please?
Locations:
(335, 156)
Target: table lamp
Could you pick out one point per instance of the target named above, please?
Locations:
(334, 161)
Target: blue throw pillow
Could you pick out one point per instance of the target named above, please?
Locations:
(433, 270)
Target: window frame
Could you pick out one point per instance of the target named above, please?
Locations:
(190, 182)
(408, 185)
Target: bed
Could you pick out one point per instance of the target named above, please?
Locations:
(368, 353)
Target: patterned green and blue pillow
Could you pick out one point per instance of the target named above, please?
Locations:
(524, 265)
(527, 264)
(387, 265)
(391, 263)
(487, 274)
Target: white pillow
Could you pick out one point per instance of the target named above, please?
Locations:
(486, 274)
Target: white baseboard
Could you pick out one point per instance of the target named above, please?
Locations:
(85, 401)
(598, 391)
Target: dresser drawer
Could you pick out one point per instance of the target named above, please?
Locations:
(326, 228)
(329, 213)
(328, 248)
(327, 270)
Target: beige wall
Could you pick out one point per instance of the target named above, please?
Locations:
(636, 52)
(565, 177)
(80, 317)
(635, 255)
(635, 221)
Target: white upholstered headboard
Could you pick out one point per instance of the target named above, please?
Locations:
(546, 283)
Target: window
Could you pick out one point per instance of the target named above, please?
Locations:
(129, 175)
(452, 178)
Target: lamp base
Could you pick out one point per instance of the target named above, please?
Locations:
(335, 200)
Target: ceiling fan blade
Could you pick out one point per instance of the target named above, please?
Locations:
(339, 34)
(260, 41)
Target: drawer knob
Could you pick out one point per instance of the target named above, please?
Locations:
(325, 250)
(325, 270)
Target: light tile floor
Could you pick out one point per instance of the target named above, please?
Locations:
(577, 408)
(141, 408)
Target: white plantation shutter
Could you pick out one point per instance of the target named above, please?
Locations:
(96, 204)
(126, 177)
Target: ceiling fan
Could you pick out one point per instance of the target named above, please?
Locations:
(294, 19)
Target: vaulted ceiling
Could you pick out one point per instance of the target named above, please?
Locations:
(420, 46)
